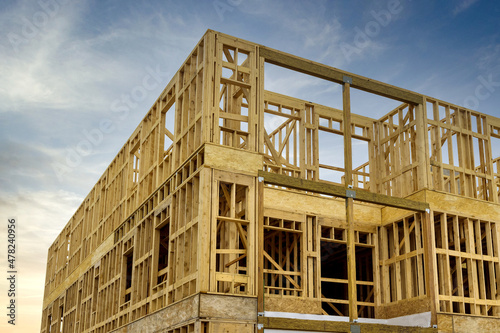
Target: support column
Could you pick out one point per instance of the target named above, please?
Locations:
(422, 144)
(208, 86)
(430, 265)
(349, 201)
(260, 252)
(204, 230)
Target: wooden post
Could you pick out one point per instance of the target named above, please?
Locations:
(204, 230)
(260, 249)
(260, 104)
(430, 265)
(351, 248)
(422, 145)
(208, 86)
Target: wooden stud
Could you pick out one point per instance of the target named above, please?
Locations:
(351, 248)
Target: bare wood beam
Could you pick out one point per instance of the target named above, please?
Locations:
(349, 203)
(260, 248)
(340, 191)
(232, 262)
(336, 75)
(431, 266)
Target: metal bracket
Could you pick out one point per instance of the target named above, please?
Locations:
(427, 210)
(260, 314)
(347, 79)
(350, 193)
(261, 179)
(260, 326)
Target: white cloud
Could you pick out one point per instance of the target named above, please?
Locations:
(489, 57)
(69, 68)
(463, 5)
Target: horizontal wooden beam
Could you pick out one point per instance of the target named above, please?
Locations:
(336, 75)
(336, 326)
(341, 192)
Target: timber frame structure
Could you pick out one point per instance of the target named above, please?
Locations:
(212, 218)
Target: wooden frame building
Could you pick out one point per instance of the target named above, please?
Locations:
(212, 218)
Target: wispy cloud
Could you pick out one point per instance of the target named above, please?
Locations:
(489, 57)
(70, 66)
(42, 70)
(38, 215)
(463, 5)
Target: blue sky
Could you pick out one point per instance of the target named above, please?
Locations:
(67, 65)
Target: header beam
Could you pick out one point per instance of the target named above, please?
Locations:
(341, 192)
(336, 75)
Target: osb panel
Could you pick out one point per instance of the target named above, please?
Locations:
(390, 214)
(463, 206)
(231, 159)
(172, 315)
(309, 204)
(445, 323)
(403, 308)
(307, 306)
(466, 324)
(228, 307)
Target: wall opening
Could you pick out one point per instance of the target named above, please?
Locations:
(334, 270)
(163, 233)
(128, 265)
(61, 315)
(95, 294)
(465, 251)
(334, 283)
(231, 248)
(302, 86)
(364, 277)
(49, 324)
(136, 153)
(169, 129)
(282, 257)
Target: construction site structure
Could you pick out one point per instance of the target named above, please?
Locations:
(230, 210)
